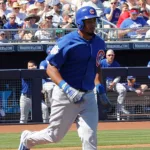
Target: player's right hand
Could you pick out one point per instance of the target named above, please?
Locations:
(74, 95)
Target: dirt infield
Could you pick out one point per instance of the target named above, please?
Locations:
(101, 126)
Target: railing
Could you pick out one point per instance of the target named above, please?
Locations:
(10, 87)
(52, 34)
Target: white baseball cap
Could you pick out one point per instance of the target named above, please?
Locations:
(54, 2)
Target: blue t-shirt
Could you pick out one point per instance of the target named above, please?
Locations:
(131, 88)
(129, 23)
(105, 64)
(116, 14)
(43, 65)
(77, 59)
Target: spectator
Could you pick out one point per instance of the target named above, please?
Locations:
(24, 5)
(3, 37)
(3, 9)
(2, 19)
(32, 9)
(19, 16)
(124, 14)
(45, 34)
(131, 26)
(43, 8)
(9, 4)
(26, 97)
(29, 27)
(112, 83)
(68, 20)
(147, 36)
(97, 4)
(143, 11)
(11, 24)
(112, 13)
(57, 13)
(131, 3)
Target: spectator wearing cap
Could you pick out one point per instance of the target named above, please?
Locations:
(44, 33)
(30, 26)
(43, 8)
(32, 9)
(3, 9)
(3, 37)
(112, 13)
(9, 4)
(16, 10)
(132, 25)
(24, 5)
(57, 13)
(68, 20)
(124, 14)
(48, 16)
(31, 2)
(97, 4)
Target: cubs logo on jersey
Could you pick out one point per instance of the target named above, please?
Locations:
(54, 50)
(99, 57)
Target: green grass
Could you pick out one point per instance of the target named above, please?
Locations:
(105, 138)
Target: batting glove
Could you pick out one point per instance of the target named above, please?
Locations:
(74, 95)
(102, 94)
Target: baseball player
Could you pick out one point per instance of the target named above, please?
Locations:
(26, 97)
(112, 83)
(73, 65)
(47, 89)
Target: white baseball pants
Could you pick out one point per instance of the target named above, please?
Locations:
(63, 114)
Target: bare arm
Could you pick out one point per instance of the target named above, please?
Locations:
(54, 74)
(98, 77)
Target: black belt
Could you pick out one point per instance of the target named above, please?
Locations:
(84, 90)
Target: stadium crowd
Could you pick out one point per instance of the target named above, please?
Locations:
(47, 20)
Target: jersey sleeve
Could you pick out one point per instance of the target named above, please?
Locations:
(58, 53)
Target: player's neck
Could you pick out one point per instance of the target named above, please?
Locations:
(84, 35)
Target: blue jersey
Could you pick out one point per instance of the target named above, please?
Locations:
(43, 65)
(26, 87)
(77, 59)
(131, 88)
(105, 64)
(135, 24)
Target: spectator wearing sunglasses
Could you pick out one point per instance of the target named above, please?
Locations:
(112, 13)
(19, 16)
(112, 83)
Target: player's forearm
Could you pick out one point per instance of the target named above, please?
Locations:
(54, 74)
(98, 77)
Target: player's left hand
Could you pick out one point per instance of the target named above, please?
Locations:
(102, 95)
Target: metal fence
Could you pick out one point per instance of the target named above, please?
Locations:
(52, 34)
(10, 90)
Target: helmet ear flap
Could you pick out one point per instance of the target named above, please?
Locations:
(81, 25)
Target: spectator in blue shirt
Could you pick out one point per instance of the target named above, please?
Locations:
(11, 24)
(112, 13)
(131, 26)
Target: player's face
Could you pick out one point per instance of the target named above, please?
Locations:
(89, 26)
(110, 57)
(32, 66)
(131, 82)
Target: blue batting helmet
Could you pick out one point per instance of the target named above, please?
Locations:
(84, 13)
